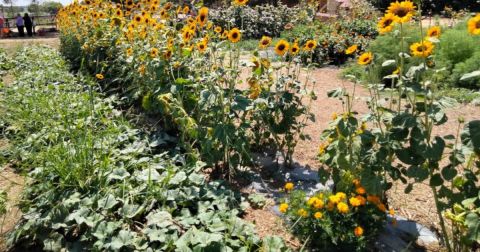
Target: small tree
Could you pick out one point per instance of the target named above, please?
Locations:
(51, 7)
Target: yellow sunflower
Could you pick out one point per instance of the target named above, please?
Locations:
(137, 19)
(218, 29)
(187, 35)
(99, 76)
(202, 46)
(386, 23)
(234, 35)
(403, 10)
(202, 16)
(264, 42)
(434, 32)
(186, 9)
(310, 45)
(351, 50)
(282, 47)
(240, 2)
(295, 49)
(422, 49)
(365, 58)
(474, 25)
(154, 52)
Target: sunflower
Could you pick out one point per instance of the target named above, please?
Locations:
(365, 58)
(403, 10)
(119, 13)
(218, 29)
(234, 35)
(202, 16)
(351, 50)
(202, 46)
(310, 45)
(129, 52)
(186, 9)
(422, 49)
(386, 23)
(474, 25)
(295, 49)
(99, 76)
(282, 47)
(187, 35)
(240, 2)
(264, 42)
(154, 52)
(434, 32)
(137, 19)
(167, 54)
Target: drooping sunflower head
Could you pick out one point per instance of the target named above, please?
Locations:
(434, 32)
(310, 45)
(167, 54)
(282, 47)
(264, 42)
(422, 49)
(351, 50)
(386, 23)
(154, 52)
(234, 35)
(186, 9)
(240, 2)
(365, 58)
(474, 25)
(295, 49)
(202, 16)
(403, 10)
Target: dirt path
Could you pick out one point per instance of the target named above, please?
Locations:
(12, 44)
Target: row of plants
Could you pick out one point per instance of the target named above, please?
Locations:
(95, 182)
(188, 73)
(456, 54)
(396, 142)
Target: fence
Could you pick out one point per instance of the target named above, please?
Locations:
(40, 21)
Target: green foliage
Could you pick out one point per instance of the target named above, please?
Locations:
(3, 203)
(468, 66)
(256, 21)
(97, 183)
(456, 46)
(257, 200)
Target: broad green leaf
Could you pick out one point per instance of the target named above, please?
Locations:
(471, 75)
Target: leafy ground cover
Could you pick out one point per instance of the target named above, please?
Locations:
(97, 182)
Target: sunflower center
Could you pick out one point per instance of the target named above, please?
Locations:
(401, 12)
(387, 22)
(477, 25)
(235, 35)
(281, 47)
(202, 18)
(421, 48)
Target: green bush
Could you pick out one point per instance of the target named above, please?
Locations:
(456, 46)
(470, 65)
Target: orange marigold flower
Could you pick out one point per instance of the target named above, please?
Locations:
(342, 208)
(360, 190)
(289, 186)
(358, 231)
(318, 215)
(283, 207)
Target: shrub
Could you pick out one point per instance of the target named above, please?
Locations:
(468, 66)
(343, 221)
(256, 21)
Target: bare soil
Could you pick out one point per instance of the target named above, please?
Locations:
(11, 183)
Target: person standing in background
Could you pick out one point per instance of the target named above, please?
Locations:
(28, 24)
(20, 25)
(33, 25)
(2, 22)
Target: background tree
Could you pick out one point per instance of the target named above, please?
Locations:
(51, 7)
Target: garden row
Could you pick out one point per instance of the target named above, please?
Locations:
(95, 182)
(187, 73)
